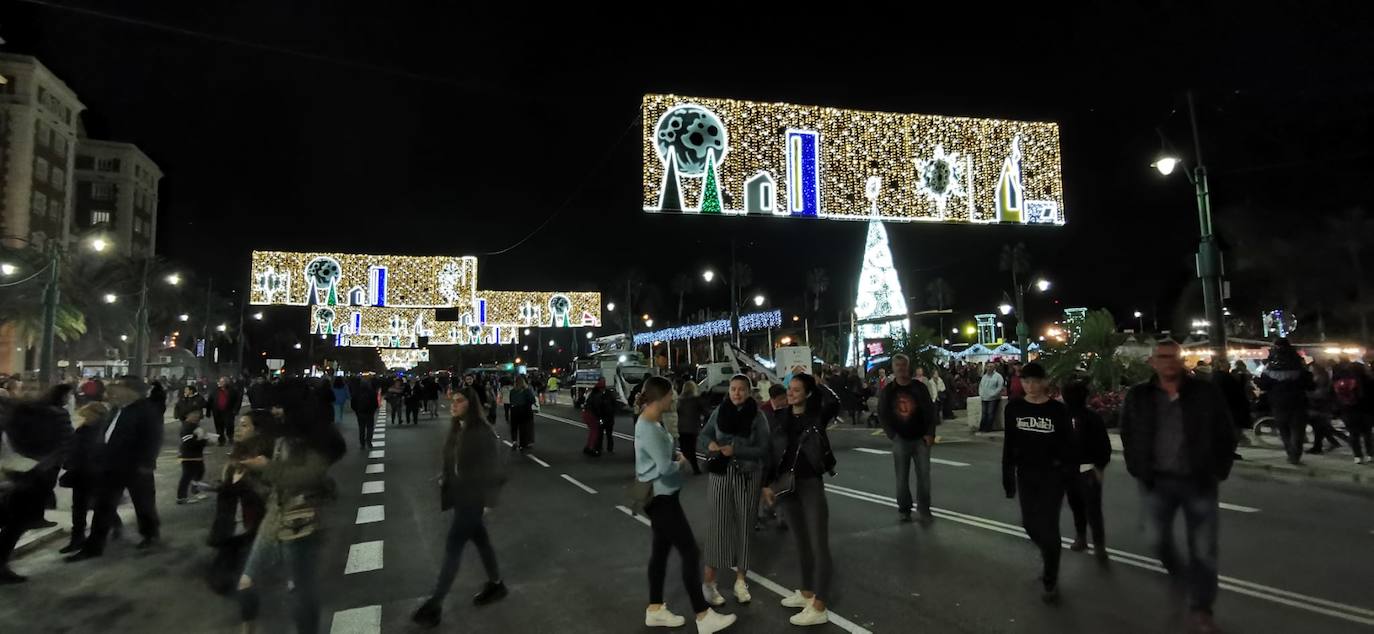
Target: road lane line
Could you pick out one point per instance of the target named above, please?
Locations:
(371, 514)
(377, 453)
(364, 620)
(537, 460)
(772, 586)
(508, 443)
(885, 452)
(375, 486)
(364, 557)
(1276, 595)
(579, 484)
(375, 468)
(1238, 508)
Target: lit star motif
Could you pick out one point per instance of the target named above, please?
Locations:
(940, 177)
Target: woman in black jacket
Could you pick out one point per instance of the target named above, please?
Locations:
(797, 487)
(470, 484)
(1093, 450)
(190, 400)
(82, 465)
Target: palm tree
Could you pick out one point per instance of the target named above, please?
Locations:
(1093, 355)
(1015, 259)
(682, 283)
(744, 278)
(817, 282)
(940, 295)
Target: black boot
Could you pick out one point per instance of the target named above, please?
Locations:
(429, 614)
(78, 540)
(491, 593)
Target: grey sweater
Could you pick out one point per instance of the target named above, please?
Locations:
(750, 451)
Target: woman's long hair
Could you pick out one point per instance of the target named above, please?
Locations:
(474, 416)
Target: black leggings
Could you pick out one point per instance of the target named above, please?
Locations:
(191, 471)
(671, 530)
(1085, 500)
(687, 444)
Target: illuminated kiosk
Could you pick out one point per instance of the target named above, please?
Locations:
(392, 301)
(741, 158)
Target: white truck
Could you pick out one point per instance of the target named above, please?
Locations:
(714, 378)
(622, 367)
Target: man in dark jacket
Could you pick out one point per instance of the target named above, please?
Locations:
(912, 435)
(259, 394)
(365, 410)
(33, 439)
(1285, 382)
(224, 403)
(1178, 443)
(133, 439)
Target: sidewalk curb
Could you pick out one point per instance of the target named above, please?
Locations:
(45, 536)
(1362, 483)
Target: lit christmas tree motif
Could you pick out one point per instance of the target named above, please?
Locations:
(880, 292)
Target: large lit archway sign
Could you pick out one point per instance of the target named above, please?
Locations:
(392, 301)
(728, 157)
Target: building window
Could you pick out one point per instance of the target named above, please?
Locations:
(59, 178)
(98, 217)
(40, 133)
(38, 205)
(102, 191)
(61, 145)
(40, 169)
(84, 162)
(55, 209)
(107, 165)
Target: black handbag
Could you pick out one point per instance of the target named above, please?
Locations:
(718, 464)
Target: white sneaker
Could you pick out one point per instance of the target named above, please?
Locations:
(796, 600)
(712, 594)
(713, 622)
(810, 616)
(742, 591)
(662, 618)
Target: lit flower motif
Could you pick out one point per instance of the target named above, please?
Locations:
(940, 177)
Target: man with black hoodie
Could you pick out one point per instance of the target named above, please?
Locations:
(1286, 382)
(1178, 443)
(912, 433)
(1092, 450)
(1037, 460)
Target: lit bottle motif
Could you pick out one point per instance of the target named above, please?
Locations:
(1009, 197)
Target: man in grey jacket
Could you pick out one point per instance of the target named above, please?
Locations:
(990, 393)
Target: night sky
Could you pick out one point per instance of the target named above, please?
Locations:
(420, 128)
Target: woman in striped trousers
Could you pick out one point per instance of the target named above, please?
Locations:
(736, 442)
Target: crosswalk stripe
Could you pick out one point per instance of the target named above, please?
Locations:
(364, 557)
(364, 620)
(377, 453)
(375, 468)
(371, 514)
(375, 486)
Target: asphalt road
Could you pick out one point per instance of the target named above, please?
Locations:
(1294, 558)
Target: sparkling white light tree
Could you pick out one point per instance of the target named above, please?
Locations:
(880, 292)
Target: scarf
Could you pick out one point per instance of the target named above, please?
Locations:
(737, 420)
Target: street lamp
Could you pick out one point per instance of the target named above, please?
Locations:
(1004, 308)
(174, 279)
(954, 331)
(758, 300)
(124, 337)
(184, 317)
(258, 315)
(111, 298)
(1140, 321)
(589, 334)
(551, 343)
(527, 332)
(297, 346)
(98, 244)
(610, 307)
(1209, 261)
(648, 323)
(7, 269)
(1042, 285)
(525, 347)
(222, 327)
(708, 275)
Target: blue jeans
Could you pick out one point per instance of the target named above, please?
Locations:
(1199, 504)
(467, 525)
(302, 559)
(989, 415)
(905, 452)
(338, 412)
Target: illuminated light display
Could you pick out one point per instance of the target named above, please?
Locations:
(403, 359)
(932, 168)
(391, 301)
(719, 327)
(880, 292)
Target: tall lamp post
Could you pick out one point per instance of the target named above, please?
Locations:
(1209, 261)
(51, 296)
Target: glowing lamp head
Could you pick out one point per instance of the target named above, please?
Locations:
(1042, 285)
(7, 269)
(99, 244)
(174, 279)
(589, 335)
(222, 327)
(708, 275)
(649, 323)
(610, 306)
(184, 317)
(758, 300)
(111, 298)
(1005, 309)
(1165, 165)
(1137, 314)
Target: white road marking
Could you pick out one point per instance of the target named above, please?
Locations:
(537, 460)
(839, 621)
(1238, 508)
(578, 484)
(885, 452)
(508, 443)
(365, 620)
(371, 514)
(379, 443)
(375, 486)
(582, 425)
(377, 453)
(375, 468)
(1343, 611)
(363, 557)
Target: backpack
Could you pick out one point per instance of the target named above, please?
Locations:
(1347, 391)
